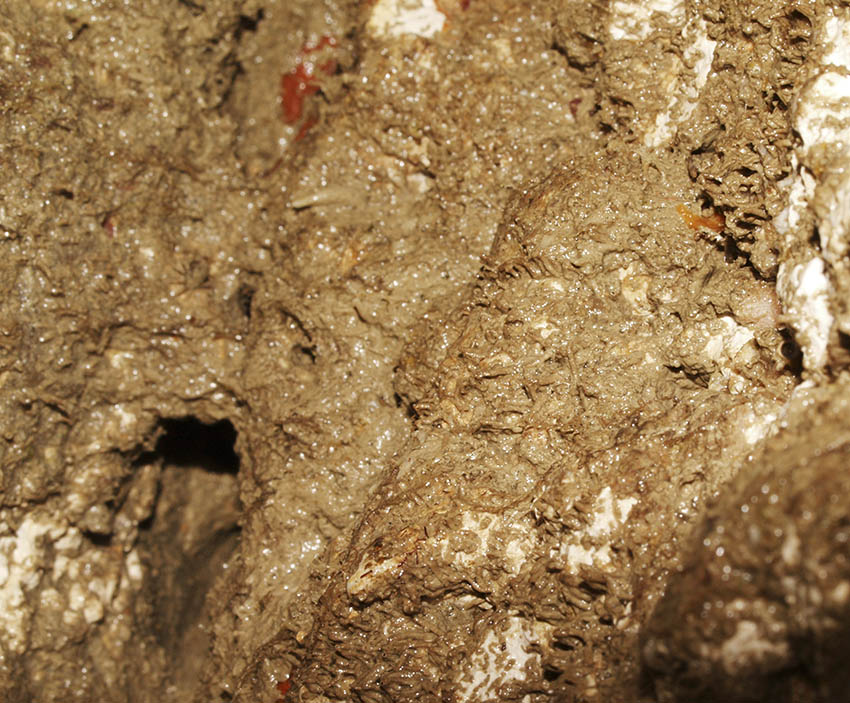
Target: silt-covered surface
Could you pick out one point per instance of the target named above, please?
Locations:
(394, 351)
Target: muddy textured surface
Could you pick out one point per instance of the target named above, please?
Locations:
(393, 351)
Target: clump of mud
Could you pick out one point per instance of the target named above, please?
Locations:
(394, 351)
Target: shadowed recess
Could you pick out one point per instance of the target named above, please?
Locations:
(189, 442)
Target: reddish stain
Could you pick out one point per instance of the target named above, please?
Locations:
(309, 122)
(283, 688)
(294, 87)
(303, 81)
(574, 103)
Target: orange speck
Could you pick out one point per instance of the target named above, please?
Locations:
(715, 222)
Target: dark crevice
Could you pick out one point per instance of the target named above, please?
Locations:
(97, 539)
(706, 202)
(566, 646)
(746, 225)
(78, 31)
(579, 63)
(732, 252)
(189, 442)
(248, 23)
(191, 534)
(797, 18)
(814, 240)
(409, 408)
(792, 352)
(551, 675)
(244, 298)
(304, 355)
(699, 379)
(146, 524)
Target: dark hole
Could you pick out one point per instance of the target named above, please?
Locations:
(778, 102)
(791, 350)
(844, 340)
(189, 442)
(555, 46)
(746, 225)
(244, 298)
(184, 547)
(568, 643)
(814, 240)
(408, 407)
(65, 193)
(565, 646)
(302, 353)
(143, 459)
(98, 540)
(249, 24)
(731, 250)
(797, 17)
(551, 675)
(706, 201)
(594, 589)
(147, 523)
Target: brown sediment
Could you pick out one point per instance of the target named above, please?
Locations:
(426, 391)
